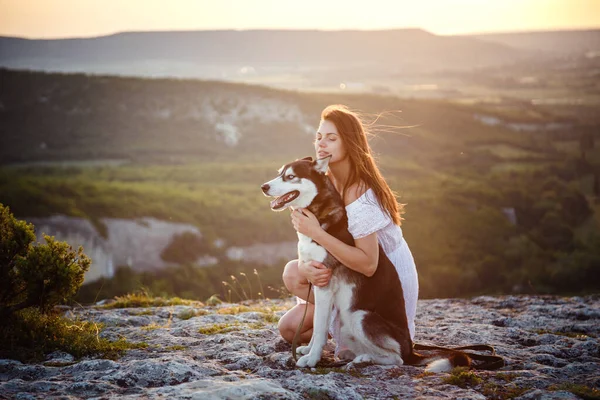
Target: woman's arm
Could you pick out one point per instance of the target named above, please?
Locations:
(314, 272)
(363, 258)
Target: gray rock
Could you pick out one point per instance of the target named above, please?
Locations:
(59, 358)
(545, 341)
(545, 395)
(220, 389)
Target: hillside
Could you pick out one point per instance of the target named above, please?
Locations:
(549, 344)
(501, 197)
(96, 118)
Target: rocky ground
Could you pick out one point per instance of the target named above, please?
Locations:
(550, 345)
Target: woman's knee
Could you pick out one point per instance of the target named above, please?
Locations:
(291, 276)
(286, 328)
(288, 324)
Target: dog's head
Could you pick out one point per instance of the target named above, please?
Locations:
(298, 183)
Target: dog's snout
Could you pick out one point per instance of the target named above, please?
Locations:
(265, 187)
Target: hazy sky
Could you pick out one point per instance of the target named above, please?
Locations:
(77, 18)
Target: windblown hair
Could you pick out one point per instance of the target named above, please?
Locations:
(364, 171)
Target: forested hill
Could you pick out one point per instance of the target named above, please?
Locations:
(73, 117)
(500, 197)
(48, 117)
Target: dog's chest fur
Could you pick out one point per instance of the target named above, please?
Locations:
(309, 250)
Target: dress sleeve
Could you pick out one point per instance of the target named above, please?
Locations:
(366, 216)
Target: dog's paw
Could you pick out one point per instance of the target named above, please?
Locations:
(359, 361)
(346, 354)
(362, 358)
(308, 361)
(303, 350)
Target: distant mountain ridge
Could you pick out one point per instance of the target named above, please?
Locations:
(221, 54)
(560, 43)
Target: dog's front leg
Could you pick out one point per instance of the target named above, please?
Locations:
(306, 349)
(323, 306)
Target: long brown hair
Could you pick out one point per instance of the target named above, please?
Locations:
(363, 169)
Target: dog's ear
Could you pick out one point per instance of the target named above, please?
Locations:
(322, 164)
(306, 159)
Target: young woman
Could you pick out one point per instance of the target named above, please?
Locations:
(373, 219)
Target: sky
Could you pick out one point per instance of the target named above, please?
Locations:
(87, 18)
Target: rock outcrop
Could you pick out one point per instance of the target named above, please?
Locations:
(550, 345)
(138, 243)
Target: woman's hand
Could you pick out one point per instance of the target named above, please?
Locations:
(306, 224)
(316, 273)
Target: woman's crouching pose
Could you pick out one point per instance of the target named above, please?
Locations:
(373, 219)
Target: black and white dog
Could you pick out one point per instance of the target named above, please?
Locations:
(372, 313)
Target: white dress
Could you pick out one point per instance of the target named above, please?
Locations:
(366, 216)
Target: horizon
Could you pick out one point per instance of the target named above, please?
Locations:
(578, 29)
(72, 19)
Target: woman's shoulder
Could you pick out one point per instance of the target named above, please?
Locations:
(355, 192)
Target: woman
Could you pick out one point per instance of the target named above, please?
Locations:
(373, 219)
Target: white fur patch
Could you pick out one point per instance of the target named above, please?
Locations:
(308, 192)
(322, 164)
(441, 365)
(309, 250)
(353, 335)
(322, 315)
(392, 359)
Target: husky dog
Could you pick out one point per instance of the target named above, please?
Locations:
(372, 313)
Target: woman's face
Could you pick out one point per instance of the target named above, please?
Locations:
(329, 143)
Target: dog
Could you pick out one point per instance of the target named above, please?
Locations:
(372, 312)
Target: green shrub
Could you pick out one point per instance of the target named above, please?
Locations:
(33, 279)
(40, 276)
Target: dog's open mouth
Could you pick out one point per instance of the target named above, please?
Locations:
(283, 200)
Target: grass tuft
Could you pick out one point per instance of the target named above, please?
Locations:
(187, 314)
(142, 299)
(495, 391)
(213, 300)
(267, 312)
(215, 329)
(463, 378)
(175, 347)
(28, 336)
(234, 310)
(585, 392)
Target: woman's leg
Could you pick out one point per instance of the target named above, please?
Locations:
(407, 272)
(297, 285)
(290, 321)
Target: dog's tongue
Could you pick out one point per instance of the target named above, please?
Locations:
(275, 202)
(281, 200)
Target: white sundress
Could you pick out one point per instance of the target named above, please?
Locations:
(366, 216)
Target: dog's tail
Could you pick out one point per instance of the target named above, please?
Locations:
(440, 361)
(444, 359)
